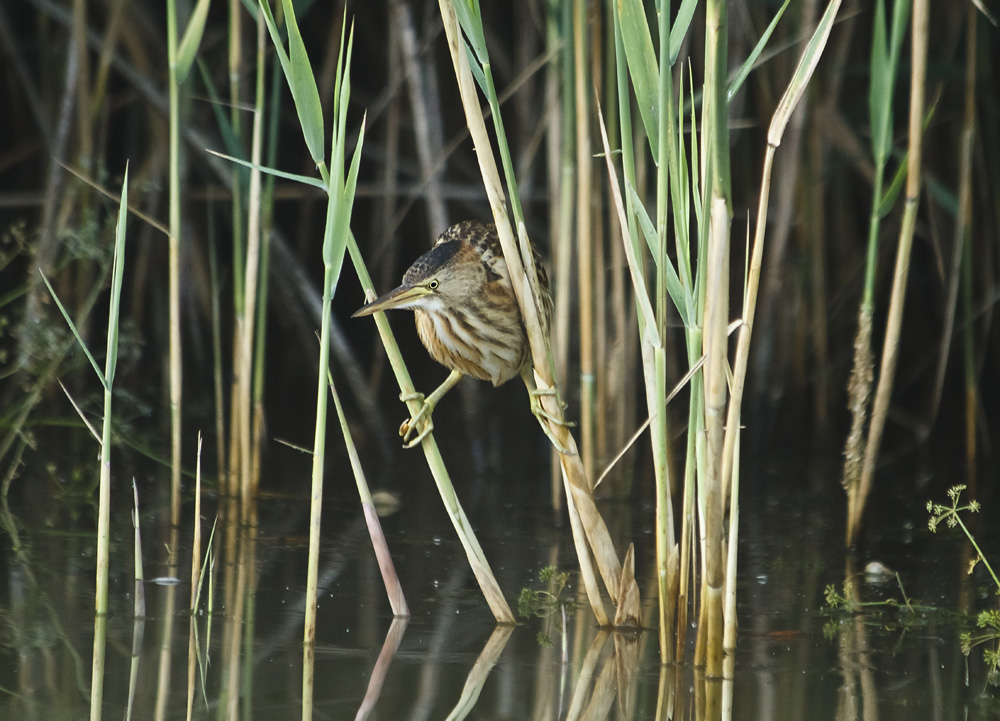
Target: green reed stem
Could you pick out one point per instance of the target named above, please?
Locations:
(104, 503)
(894, 322)
(666, 537)
(474, 552)
(882, 74)
(340, 183)
(789, 101)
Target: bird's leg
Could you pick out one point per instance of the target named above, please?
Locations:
(423, 415)
(544, 417)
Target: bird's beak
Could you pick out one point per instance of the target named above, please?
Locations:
(400, 297)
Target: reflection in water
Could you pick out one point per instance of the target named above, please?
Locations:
(450, 660)
(167, 623)
(392, 640)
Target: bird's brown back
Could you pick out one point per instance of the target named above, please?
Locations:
(484, 239)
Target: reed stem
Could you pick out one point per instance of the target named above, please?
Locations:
(176, 374)
(525, 286)
(894, 322)
(584, 235)
(435, 463)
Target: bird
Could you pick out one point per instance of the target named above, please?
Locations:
(468, 319)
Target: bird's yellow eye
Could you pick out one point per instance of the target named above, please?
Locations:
(433, 285)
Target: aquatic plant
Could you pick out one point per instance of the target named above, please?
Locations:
(988, 620)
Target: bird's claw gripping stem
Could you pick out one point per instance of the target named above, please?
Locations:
(423, 415)
(410, 425)
(544, 417)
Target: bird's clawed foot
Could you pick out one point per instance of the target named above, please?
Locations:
(421, 417)
(544, 417)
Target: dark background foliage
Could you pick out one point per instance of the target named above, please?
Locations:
(94, 110)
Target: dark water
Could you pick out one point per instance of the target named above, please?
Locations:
(795, 659)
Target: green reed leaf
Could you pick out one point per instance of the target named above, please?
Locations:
(470, 19)
(803, 73)
(641, 61)
(682, 23)
(734, 87)
(117, 273)
(300, 79)
(673, 282)
(306, 179)
(191, 40)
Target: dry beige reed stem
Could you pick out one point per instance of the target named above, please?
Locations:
(577, 486)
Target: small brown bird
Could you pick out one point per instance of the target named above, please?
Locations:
(467, 317)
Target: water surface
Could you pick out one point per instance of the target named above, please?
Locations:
(796, 658)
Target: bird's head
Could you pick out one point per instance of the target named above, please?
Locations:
(441, 278)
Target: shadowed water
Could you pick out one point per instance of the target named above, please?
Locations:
(795, 658)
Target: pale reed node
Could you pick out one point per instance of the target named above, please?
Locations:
(467, 318)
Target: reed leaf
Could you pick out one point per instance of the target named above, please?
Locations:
(76, 333)
(339, 215)
(695, 164)
(340, 99)
(675, 288)
(470, 19)
(230, 140)
(641, 66)
(341, 189)
(475, 67)
(888, 199)
(882, 72)
(803, 73)
(188, 47)
(681, 186)
(747, 66)
(940, 194)
(682, 23)
(301, 81)
(305, 179)
(117, 271)
(639, 286)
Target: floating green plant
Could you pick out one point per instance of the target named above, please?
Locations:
(889, 614)
(548, 603)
